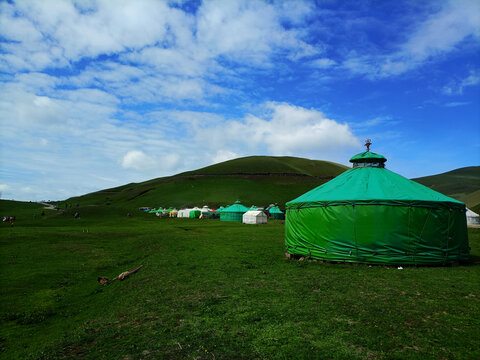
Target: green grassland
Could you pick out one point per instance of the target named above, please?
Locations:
(216, 290)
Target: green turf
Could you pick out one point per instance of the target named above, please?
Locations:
(216, 290)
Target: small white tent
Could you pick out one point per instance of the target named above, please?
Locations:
(183, 213)
(254, 217)
(472, 218)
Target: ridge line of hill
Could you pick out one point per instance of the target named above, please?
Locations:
(254, 174)
(260, 180)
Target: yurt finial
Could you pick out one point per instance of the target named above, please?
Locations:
(368, 142)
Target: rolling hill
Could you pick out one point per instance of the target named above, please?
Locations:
(258, 180)
(462, 184)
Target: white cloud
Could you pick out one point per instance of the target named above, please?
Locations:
(224, 155)
(137, 160)
(284, 130)
(441, 33)
(376, 122)
(323, 63)
(457, 87)
(456, 103)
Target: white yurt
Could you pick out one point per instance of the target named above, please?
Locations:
(183, 213)
(472, 218)
(254, 217)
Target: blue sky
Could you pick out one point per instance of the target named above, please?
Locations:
(96, 94)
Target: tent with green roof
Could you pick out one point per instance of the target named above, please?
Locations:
(233, 212)
(216, 213)
(370, 214)
(276, 213)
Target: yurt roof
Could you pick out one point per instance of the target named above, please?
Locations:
(255, 213)
(237, 207)
(275, 210)
(368, 156)
(372, 185)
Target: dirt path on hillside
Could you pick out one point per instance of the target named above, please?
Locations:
(48, 206)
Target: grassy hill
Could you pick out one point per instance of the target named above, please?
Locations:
(462, 184)
(258, 180)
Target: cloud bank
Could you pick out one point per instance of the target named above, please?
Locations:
(100, 93)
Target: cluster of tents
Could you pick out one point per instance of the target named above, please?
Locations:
(236, 212)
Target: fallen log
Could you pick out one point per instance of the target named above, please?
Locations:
(103, 280)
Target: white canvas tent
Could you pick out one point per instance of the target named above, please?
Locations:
(472, 218)
(254, 217)
(184, 213)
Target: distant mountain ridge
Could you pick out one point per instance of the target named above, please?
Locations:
(258, 180)
(270, 165)
(261, 180)
(462, 184)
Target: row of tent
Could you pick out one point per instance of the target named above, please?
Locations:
(236, 212)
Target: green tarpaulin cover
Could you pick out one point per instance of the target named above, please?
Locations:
(233, 212)
(276, 213)
(372, 215)
(194, 214)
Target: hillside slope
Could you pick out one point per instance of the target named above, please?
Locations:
(264, 165)
(258, 180)
(458, 183)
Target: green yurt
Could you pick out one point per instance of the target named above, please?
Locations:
(216, 213)
(233, 212)
(276, 213)
(372, 215)
(194, 214)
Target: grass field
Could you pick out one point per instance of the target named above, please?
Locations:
(216, 290)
